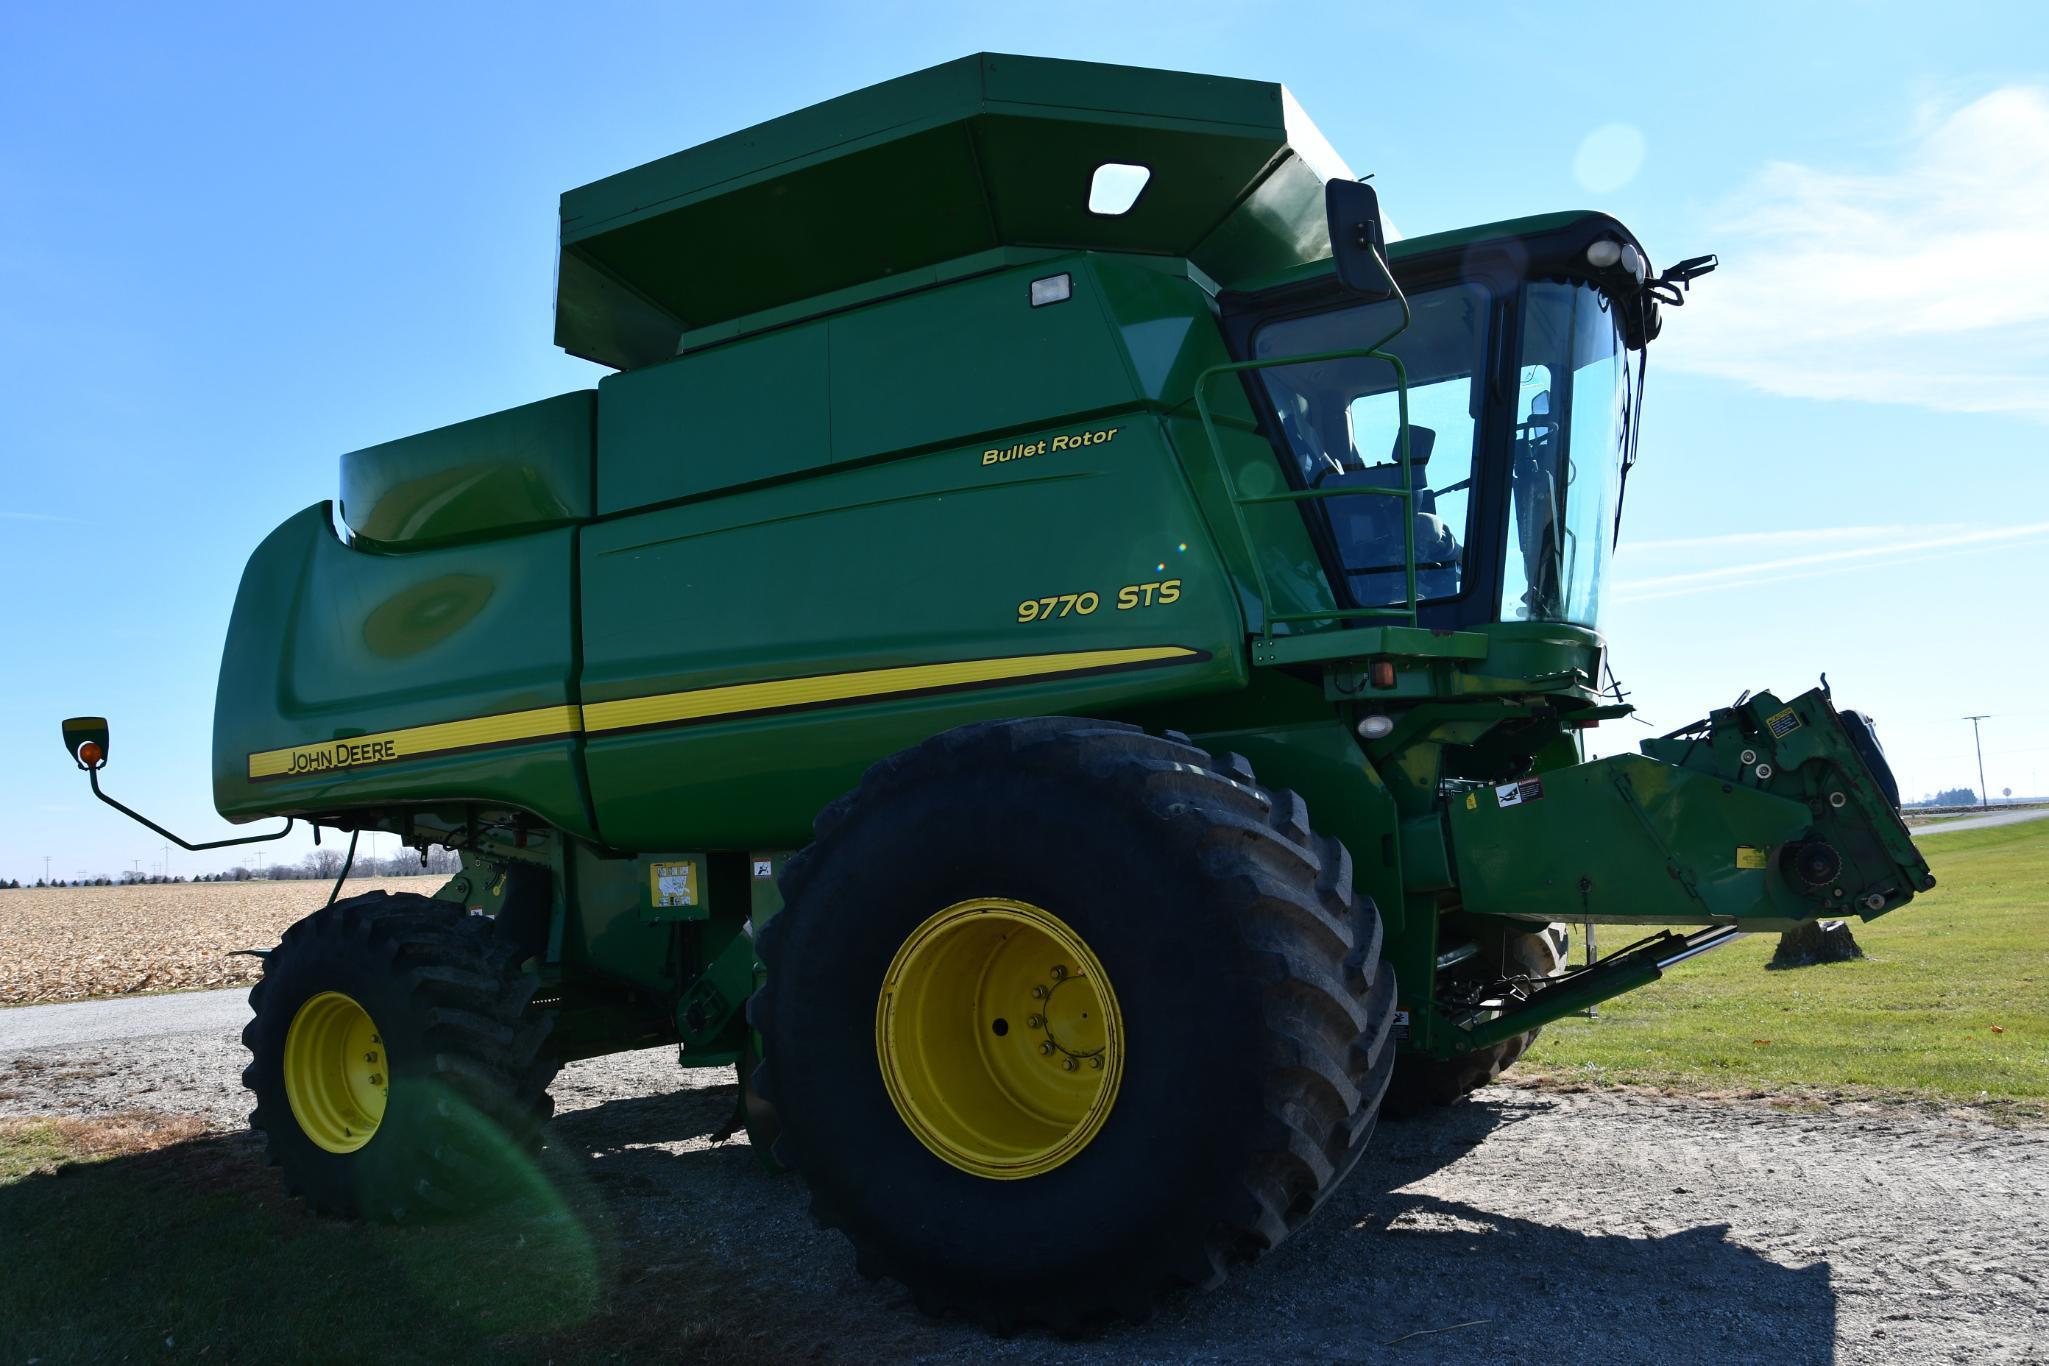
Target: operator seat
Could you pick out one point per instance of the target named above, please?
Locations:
(1369, 530)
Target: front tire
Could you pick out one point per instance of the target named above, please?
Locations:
(1423, 1083)
(395, 1070)
(1183, 1084)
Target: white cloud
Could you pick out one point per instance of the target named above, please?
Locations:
(1922, 284)
(1758, 540)
(1912, 545)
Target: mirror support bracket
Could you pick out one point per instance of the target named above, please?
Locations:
(93, 776)
(87, 741)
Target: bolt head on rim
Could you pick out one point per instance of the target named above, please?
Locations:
(982, 1094)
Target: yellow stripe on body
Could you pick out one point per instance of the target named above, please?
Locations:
(660, 709)
(416, 742)
(702, 703)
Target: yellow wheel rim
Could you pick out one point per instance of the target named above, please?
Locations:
(336, 1075)
(999, 1038)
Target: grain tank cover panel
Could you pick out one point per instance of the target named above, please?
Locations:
(523, 469)
(986, 152)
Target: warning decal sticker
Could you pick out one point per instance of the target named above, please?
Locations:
(1515, 794)
(672, 884)
(1749, 856)
(1783, 723)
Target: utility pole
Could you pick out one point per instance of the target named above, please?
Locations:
(1984, 798)
(46, 870)
(167, 863)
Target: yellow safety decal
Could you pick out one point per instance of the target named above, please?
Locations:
(672, 884)
(415, 742)
(1750, 856)
(865, 685)
(699, 704)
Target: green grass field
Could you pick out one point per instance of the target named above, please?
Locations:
(1952, 1002)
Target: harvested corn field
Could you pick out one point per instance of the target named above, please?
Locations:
(72, 943)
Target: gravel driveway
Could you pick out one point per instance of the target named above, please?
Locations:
(1523, 1225)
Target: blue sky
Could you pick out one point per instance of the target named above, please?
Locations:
(236, 241)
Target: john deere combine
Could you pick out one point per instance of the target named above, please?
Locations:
(1059, 651)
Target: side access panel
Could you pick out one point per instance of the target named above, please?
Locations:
(352, 679)
(746, 657)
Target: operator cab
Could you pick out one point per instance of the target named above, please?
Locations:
(1522, 407)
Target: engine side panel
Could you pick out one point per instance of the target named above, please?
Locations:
(745, 658)
(353, 679)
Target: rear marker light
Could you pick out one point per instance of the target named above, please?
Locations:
(1381, 673)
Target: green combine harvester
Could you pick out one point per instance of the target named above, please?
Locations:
(1059, 652)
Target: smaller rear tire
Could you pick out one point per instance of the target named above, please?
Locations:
(393, 1062)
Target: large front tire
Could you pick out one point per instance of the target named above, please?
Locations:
(1193, 1072)
(395, 1068)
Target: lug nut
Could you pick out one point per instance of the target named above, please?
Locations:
(1040, 993)
(1059, 973)
(377, 1079)
(1046, 1048)
(1069, 1063)
(369, 1057)
(1036, 1022)
(1096, 1061)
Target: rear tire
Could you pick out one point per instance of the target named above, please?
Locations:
(1254, 1013)
(414, 1072)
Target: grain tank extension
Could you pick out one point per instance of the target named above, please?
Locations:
(1057, 651)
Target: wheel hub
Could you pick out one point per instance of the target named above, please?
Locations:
(999, 1038)
(337, 1076)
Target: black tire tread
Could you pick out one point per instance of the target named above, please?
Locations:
(472, 1001)
(1422, 1083)
(1327, 998)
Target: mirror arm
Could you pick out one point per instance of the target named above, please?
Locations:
(93, 776)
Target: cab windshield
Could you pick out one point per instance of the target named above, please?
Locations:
(1571, 435)
(1340, 422)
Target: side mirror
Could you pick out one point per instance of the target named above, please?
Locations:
(86, 741)
(1358, 246)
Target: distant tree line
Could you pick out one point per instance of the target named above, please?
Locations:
(1950, 796)
(324, 863)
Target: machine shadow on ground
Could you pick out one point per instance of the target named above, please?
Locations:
(626, 1246)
